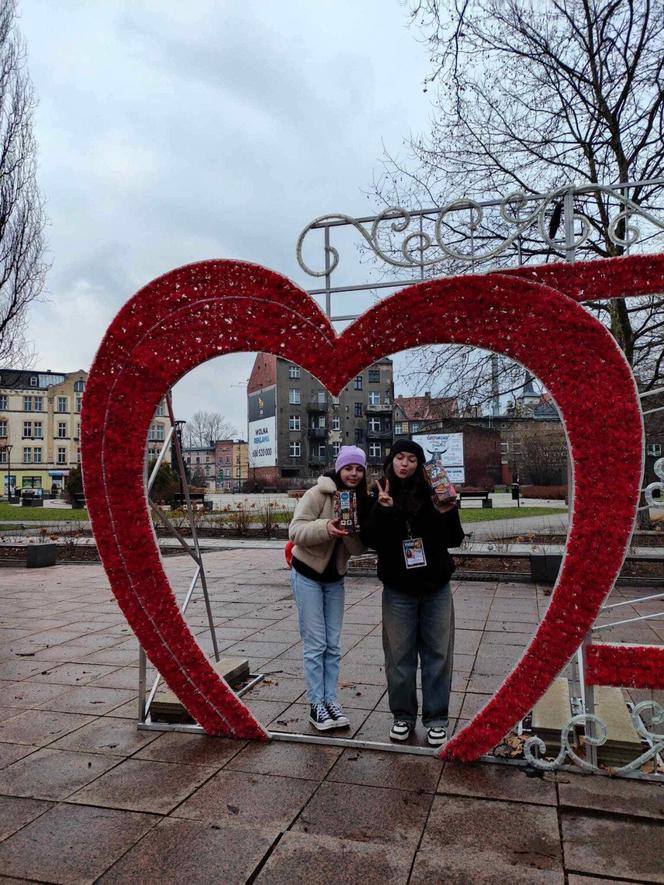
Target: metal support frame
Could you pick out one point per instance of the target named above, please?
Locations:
(145, 701)
(415, 243)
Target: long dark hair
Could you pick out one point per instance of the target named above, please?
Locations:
(410, 495)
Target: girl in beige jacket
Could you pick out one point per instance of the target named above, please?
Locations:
(320, 559)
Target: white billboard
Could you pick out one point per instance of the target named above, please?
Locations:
(263, 442)
(448, 447)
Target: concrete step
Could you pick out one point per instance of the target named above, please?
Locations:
(166, 707)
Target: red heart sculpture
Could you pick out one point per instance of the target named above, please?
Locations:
(204, 310)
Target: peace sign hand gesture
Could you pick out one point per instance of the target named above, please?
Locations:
(384, 497)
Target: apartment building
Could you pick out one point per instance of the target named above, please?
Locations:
(224, 464)
(296, 428)
(40, 427)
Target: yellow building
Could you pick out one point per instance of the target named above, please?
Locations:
(40, 428)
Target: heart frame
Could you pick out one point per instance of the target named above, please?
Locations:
(212, 308)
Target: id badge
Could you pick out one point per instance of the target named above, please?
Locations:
(413, 553)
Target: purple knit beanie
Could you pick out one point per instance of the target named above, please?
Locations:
(350, 455)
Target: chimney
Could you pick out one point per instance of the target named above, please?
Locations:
(427, 394)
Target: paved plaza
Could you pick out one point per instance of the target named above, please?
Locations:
(85, 796)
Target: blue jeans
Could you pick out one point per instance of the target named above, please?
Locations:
(320, 609)
(424, 626)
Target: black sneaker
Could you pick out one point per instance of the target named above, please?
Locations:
(336, 712)
(436, 736)
(401, 730)
(320, 718)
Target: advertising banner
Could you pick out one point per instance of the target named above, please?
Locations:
(446, 447)
(262, 428)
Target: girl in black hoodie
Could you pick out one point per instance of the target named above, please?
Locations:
(411, 531)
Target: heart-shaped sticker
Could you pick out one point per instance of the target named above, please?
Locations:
(205, 310)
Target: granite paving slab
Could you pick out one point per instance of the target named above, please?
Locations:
(52, 774)
(323, 860)
(613, 847)
(482, 841)
(71, 844)
(179, 850)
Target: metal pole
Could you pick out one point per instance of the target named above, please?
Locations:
(194, 533)
(328, 276)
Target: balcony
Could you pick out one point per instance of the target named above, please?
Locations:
(317, 460)
(315, 405)
(379, 434)
(379, 408)
(317, 432)
(375, 460)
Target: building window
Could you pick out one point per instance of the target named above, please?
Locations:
(294, 422)
(37, 455)
(335, 448)
(374, 450)
(504, 448)
(335, 400)
(374, 398)
(79, 385)
(359, 435)
(4, 401)
(358, 410)
(322, 398)
(62, 430)
(374, 376)
(336, 423)
(374, 424)
(322, 422)
(62, 455)
(38, 403)
(61, 405)
(3, 427)
(655, 449)
(322, 451)
(27, 455)
(27, 403)
(3, 456)
(357, 384)
(294, 373)
(414, 427)
(398, 428)
(295, 449)
(294, 396)
(156, 432)
(79, 400)
(161, 410)
(34, 381)
(39, 430)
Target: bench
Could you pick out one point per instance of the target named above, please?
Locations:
(477, 494)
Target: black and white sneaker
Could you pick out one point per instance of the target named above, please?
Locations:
(320, 718)
(436, 736)
(401, 730)
(336, 712)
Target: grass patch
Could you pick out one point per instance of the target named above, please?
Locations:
(480, 514)
(8, 512)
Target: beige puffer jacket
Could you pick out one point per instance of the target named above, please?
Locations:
(308, 530)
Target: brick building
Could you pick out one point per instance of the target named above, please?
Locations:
(224, 464)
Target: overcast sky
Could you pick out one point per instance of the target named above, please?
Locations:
(172, 132)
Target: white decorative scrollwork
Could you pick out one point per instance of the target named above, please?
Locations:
(410, 251)
(534, 748)
(653, 487)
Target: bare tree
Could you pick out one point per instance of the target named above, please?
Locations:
(205, 428)
(22, 267)
(543, 455)
(533, 97)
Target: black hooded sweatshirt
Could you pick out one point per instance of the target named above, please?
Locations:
(385, 528)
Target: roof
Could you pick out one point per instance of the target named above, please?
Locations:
(33, 379)
(427, 408)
